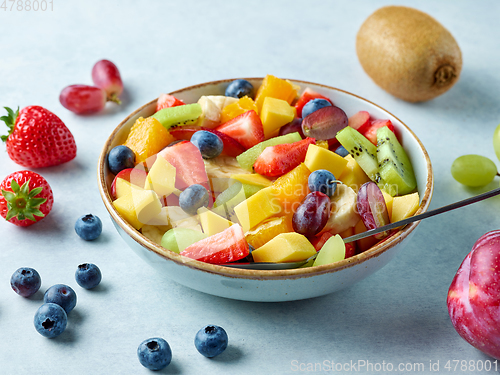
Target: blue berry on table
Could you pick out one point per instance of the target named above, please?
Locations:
(62, 295)
(209, 144)
(193, 197)
(154, 354)
(25, 281)
(88, 227)
(50, 320)
(119, 158)
(323, 181)
(313, 105)
(211, 341)
(88, 275)
(239, 88)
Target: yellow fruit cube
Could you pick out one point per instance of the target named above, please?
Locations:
(138, 207)
(275, 88)
(322, 158)
(123, 187)
(147, 137)
(237, 108)
(274, 114)
(268, 229)
(161, 177)
(252, 179)
(211, 223)
(404, 206)
(388, 202)
(353, 176)
(285, 247)
(260, 206)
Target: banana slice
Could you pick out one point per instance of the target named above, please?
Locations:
(343, 214)
(219, 172)
(154, 233)
(211, 109)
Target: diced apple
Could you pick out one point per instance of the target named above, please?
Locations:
(177, 239)
(332, 251)
(285, 247)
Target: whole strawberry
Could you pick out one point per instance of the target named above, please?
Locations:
(26, 198)
(37, 138)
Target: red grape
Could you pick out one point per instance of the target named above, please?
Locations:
(292, 127)
(324, 123)
(83, 99)
(106, 75)
(312, 214)
(372, 208)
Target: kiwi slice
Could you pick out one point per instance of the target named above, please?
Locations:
(363, 151)
(395, 166)
(181, 115)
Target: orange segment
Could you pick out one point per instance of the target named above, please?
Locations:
(269, 229)
(275, 88)
(291, 188)
(147, 137)
(243, 105)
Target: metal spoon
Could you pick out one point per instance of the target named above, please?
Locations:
(368, 233)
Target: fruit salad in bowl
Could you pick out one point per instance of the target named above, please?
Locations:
(211, 181)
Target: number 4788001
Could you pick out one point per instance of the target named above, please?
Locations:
(27, 5)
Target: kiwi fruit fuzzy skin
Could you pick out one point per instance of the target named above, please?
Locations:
(408, 53)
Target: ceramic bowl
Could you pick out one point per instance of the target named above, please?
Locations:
(269, 285)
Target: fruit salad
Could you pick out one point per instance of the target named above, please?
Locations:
(275, 173)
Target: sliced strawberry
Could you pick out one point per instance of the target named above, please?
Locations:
(371, 132)
(167, 101)
(246, 129)
(280, 159)
(136, 176)
(227, 246)
(231, 146)
(360, 121)
(188, 163)
(350, 249)
(307, 96)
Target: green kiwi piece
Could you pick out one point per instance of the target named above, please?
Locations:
(394, 164)
(181, 115)
(177, 239)
(362, 150)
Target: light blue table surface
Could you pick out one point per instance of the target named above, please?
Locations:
(396, 316)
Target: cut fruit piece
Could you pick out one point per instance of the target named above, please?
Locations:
(319, 240)
(364, 243)
(136, 176)
(388, 202)
(360, 121)
(176, 217)
(211, 223)
(344, 213)
(372, 208)
(167, 101)
(285, 247)
(177, 239)
(306, 97)
(227, 246)
(371, 132)
(322, 158)
(332, 251)
(292, 187)
(146, 138)
(124, 187)
(231, 146)
(178, 116)
(188, 163)
(259, 207)
(138, 207)
(353, 176)
(222, 101)
(252, 179)
(210, 113)
(324, 123)
(404, 206)
(363, 151)
(245, 128)
(247, 159)
(268, 229)
(154, 233)
(275, 113)
(280, 159)
(396, 171)
(275, 88)
(232, 196)
(238, 107)
(161, 177)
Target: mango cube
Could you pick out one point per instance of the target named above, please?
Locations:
(388, 202)
(252, 179)
(321, 158)
(138, 207)
(353, 176)
(257, 208)
(161, 177)
(285, 247)
(211, 223)
(274, 114)
(404, 206)
(123, 187)
(276, 88)
(237, 108)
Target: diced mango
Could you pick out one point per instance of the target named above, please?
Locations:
(211, 223)
(275, 88)
(147, 137)
(321, 158)
(237, 108)
(364, 243)
(404, 206)
(123, 187)
(388, 202)
(285, 247)
(125, 207)
(161, 177)
(274, 114)
(268, 229)
(252, 179)
(138, 207)
(260, 206)
(353, 176)
(292, 187)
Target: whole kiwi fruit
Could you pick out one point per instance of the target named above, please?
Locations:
(408, 53)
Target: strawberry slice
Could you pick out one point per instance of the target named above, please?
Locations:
(371, 132)
(167, 101)
(246, 129)
(319, 240)
(306, 97)
(231, 146)
(188, 163)
(360, 121)
(280, 159)
(227, 246)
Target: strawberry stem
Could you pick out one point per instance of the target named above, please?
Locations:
(10, 121)
(21, 201)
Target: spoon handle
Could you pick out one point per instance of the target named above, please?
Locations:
(424, 215)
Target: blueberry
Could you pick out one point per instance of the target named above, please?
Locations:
(61, 295)
(88, 275)
(323, 181)
(239, 88)
(25, 281)
(194, 197)
(211, 340)
(119, 158)
(154, 354)
(88, 227)
(209, 144)
(313, 105)
(50, 320)
(342, 151)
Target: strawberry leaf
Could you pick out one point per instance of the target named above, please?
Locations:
(21, 201)
(10, 121)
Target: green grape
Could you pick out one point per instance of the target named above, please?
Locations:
(473, 170)
(496, 141)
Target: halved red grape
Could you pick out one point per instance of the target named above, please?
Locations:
(292, 127)
(324, 123)
(83, 99)
(372, 208)
(312, 214)
(106, 75)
